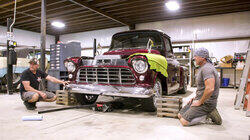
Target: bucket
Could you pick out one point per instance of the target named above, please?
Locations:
(225, 82)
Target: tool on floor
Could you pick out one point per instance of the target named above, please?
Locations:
(32, 118)
(104, 107)
(65, 108)
(244, 80)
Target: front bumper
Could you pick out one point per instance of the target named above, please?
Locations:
(118, 91)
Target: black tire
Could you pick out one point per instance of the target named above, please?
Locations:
(184, 89)
(149, 104)
(85, 99)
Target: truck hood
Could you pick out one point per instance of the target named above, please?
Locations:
(127, 52)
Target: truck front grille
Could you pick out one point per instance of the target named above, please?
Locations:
(106, 76)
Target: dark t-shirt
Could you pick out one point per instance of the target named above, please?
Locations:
(34, 79)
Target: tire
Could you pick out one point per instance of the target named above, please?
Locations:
(85, 99)
(149, 104)
(184, 89)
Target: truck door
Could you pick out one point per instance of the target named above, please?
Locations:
(173, 68)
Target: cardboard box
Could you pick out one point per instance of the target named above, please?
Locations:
(228, 65)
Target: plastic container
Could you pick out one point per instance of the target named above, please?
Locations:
(225, 82)
(32, 118)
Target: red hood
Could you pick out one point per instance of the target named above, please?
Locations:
(128, 52)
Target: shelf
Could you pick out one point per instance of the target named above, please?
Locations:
(180, 46)
(227, 87)
(182, 59)
(181, 52)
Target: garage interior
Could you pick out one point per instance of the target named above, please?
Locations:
(83, 29)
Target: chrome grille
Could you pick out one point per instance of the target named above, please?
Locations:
(106, 76)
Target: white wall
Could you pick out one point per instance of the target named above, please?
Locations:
(28, 38)
(87, 38)
(197, 28)
(208, 27)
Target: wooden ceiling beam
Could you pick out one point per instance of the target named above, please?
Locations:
(182, 11)
(133, 6)
(68, 25)
(65, 20)
(51, 15)
(90, 28)
(120, 4)
(20, 5)
(161, 8)
(204, 12)
(61, 18)
(5, 3)
(99, 11)
(34, 11)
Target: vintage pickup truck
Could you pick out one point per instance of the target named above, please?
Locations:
(138, 64)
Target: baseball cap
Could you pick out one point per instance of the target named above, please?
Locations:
(34, 61)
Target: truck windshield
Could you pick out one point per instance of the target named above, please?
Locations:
(137, 40)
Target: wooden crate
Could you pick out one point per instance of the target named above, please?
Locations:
(65, 98)
(168, 106)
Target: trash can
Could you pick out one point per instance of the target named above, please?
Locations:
(225, 82)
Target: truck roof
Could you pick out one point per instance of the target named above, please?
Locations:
(131, 31)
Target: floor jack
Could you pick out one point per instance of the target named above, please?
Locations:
(102, 107)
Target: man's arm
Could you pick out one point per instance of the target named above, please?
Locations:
(27, 87)
(209, 89)
(55, 80)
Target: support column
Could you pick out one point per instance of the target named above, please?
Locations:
(43, 37)
(9, 66)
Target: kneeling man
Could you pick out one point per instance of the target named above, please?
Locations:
(204, 104)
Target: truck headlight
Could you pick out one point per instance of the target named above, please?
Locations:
(71, 67)
(140, 66)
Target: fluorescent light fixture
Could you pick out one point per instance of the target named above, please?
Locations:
(58, 24)
(172, 5)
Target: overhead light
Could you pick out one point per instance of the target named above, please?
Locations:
(172, 5)
(58, 24)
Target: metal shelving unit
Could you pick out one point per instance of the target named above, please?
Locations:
(58, 53)
(183, 54)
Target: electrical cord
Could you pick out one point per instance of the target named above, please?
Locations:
(14, 20)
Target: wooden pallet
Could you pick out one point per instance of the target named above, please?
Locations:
(168, 106)
(65, 98)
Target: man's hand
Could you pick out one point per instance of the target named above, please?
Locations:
(65, 83)
(196, 103)
(190, 101)
(44, 96)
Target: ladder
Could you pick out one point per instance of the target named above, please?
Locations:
(244, 80)
(247, 98)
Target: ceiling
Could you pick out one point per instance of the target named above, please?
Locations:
(87, 15)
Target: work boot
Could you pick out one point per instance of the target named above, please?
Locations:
(215, 117)
(29, 106)
(34, 105)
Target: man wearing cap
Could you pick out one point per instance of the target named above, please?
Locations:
(204, 104)
(29, 88)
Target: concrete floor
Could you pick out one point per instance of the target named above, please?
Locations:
(128, 123)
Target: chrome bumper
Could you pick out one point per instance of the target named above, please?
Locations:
(118, 91)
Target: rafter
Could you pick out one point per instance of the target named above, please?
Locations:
(99, 11)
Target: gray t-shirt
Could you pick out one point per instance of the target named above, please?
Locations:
(205, 72)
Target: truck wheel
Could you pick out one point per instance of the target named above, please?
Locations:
(149, 104)
(184, 89)
(84, 99)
